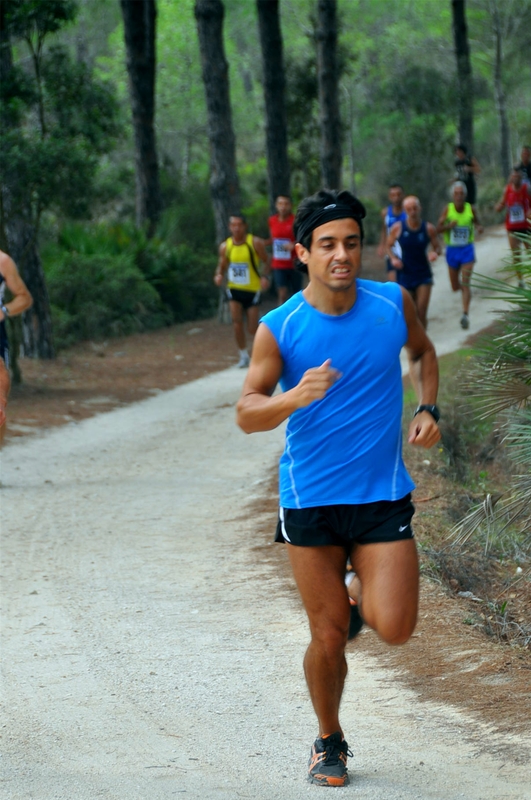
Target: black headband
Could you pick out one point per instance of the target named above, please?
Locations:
(327, 214)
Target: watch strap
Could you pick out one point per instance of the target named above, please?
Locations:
(431, 409)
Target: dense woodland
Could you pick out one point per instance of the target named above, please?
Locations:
(130, 129)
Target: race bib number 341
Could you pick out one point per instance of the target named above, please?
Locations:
(239, 273)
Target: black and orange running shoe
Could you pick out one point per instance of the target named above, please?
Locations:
(328, 761)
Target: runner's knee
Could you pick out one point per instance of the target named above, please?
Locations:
(397, 631)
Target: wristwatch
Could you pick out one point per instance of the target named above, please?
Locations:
(433, 410)
(4, 310)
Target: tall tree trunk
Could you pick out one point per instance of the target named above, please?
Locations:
(224, 184)
(19, 237)
(499, 92)
(464, 75)
(139, 29)
(328, 81)
(274, 94)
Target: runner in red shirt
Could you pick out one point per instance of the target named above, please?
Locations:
(287, 279)
(517, 201)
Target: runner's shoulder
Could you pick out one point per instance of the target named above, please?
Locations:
(276, 318)
(390, 290)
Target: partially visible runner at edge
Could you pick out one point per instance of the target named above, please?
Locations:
(286, 278)
(456, 223)
(394, 212)
(466, 169)
(517, 202)
(344, 490)
(525, 166)
(239, 258)
(9, 279)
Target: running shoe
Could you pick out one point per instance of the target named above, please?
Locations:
(244, 361)
(465, 322)
(328, 761)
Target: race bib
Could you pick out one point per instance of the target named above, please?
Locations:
(239, 273)
(459, 235)
(516, 213)
(281, 251)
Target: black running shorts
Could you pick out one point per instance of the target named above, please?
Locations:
(346, 525)
(246, 299)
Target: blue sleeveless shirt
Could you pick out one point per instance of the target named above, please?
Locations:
(391, 217)
(416, 269)
(347, 447)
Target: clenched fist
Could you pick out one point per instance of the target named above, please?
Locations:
(315, 383)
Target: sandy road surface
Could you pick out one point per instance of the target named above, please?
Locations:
(151, 648)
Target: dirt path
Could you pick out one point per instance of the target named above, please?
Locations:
(152, 646)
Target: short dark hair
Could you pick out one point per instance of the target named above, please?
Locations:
(396, 186)
(462, 147)
(321, 199)
(280, 194)
(237, 215)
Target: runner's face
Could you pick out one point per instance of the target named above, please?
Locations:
(516, 178)
(335, 258)
(396, 196)
(237, 228)
(412, 209)
(283, 207)
(459, 196)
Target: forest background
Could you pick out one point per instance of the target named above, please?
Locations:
(398, 102)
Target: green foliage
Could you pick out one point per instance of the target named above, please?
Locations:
(182, 278)
(110, 280)
(94, 296)
(57, 120)
(500, 387)
(188, 218)
(34, 19)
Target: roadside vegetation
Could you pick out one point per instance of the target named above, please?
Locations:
(475, 530)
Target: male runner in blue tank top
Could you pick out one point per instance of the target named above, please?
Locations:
(392, 213)
(344, 490)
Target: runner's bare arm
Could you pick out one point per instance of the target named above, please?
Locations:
(259, 246)
(477, 223)
(500, 204)
(22, 298)
(435, 242)
(383, 235)
(423, 430)
(222, 264)
(443, 224)
(4, 391)
(394, 233)
(475, 168)
(257, 409)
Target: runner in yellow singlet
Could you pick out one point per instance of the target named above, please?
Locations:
(457, 223)
(240, 256)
